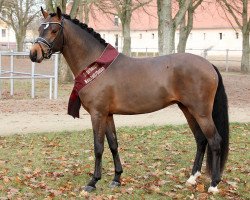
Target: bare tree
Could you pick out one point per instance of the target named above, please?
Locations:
(74, 6)
(123, 9)
(186, 24)
(18, 15)
(238, 10)
(167, 24)
(85, 7)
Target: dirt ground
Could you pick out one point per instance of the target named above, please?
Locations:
(44, 115)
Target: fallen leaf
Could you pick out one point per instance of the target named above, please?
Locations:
(6, 179)
(233, 184)
(154, 188)
(202, 196)
(84, 194)
(191, 196)
(129, 190)
(200, 188)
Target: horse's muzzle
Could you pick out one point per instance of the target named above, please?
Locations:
(36, 54)
(33, 56)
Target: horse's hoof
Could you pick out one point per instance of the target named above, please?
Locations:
(192, 179)
(89, 188)
(114, 184)
(213, 190)
(190, 182)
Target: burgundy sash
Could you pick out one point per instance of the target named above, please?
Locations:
(89, 74)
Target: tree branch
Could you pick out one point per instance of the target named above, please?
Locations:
(230, 10)
(197, 4)
(181, 12)
(140, 4)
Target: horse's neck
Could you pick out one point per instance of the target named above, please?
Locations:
(80, 49)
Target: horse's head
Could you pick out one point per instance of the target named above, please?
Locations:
(50, 38)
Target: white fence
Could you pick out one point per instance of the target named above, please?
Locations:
(225, 58)
(12, 75)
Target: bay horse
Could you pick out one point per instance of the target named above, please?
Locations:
(141, 85)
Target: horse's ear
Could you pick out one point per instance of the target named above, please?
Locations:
(45, 14)
(59, 13)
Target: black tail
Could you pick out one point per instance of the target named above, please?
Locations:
(220, 117)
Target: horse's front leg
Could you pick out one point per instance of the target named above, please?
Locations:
(113, 145)
(99, 128)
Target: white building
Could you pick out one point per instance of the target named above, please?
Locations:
(211, 30)
(7, 37)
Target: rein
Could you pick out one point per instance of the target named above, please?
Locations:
(50, 45)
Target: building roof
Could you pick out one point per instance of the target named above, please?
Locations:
(207, 16)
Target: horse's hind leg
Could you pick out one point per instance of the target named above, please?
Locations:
(214, 141)
(113, 145)
(201, 143)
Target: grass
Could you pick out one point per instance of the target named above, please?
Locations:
(157, 160)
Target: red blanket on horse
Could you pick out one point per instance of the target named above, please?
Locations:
(88, 75)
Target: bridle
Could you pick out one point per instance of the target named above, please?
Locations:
(50, 45)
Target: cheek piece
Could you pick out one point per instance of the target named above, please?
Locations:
(50, 45)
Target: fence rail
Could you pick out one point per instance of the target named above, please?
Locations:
(224, 57)
(13, 75)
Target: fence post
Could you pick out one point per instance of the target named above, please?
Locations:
(11, 74)
(50, 88)
(56, 65)
(33, 80)
(205, 53)
(227, 51)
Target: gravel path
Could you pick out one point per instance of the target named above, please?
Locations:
(47, 121)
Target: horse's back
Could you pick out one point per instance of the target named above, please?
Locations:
(133, 86)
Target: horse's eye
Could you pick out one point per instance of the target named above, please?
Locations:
(54, 31)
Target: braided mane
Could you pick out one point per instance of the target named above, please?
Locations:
(84, 27)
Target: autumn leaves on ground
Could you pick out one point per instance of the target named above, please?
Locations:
(156, 160)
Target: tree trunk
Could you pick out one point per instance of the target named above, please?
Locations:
(20, 41)
(126, 38)
(126, 19)
(63, 3)
(49, 6)
(86, 12)
(169, 47)
(65, 74)
(162, 12)
(166, 27)
(182, 38)
(245, 67)
(167, 24)
(74, 9)
(185, 30)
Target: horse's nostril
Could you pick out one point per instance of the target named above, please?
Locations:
(33, 56)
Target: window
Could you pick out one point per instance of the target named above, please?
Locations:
(220, 36)
(116, 41)
(116, 22)
(140, 36)
(204, 36)
(237, 35)
(3, 32)
(153, 36)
